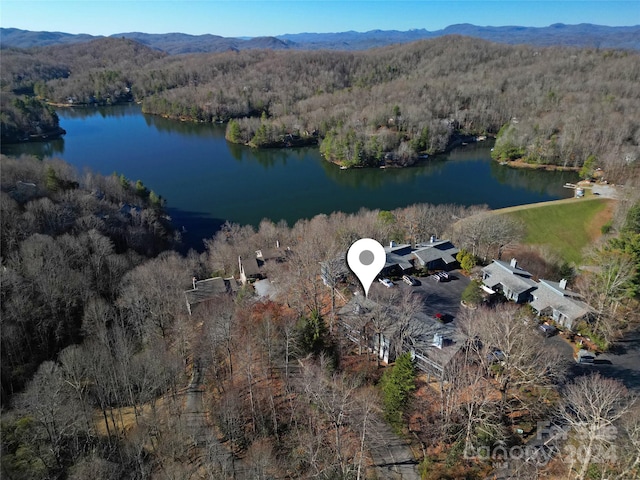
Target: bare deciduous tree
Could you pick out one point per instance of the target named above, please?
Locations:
(509, 349)
(607, 287)
(591, 406)
(484, 233)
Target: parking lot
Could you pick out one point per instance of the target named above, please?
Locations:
(439, 297)
(621, 363)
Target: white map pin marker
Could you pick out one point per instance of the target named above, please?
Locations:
(366, 258)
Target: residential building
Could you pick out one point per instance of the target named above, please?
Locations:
(433, 255)
(554, 300)
(436, 255)
(249, 270)
(208, 289)
(252, 269)
(548, 298)
(399, 259)
(508, 279)
(433, 344)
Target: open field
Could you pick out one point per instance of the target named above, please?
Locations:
(564, 226)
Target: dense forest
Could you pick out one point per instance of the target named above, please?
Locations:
(27, 119)
(101, 359)
(67, 241)
(390, 105)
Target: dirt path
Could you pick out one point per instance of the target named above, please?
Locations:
(527, 206)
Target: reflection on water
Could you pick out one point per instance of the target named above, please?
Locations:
(184, 128)
(375, 178)
(53, 148)
(117, 111)
(538, 181)
(197, 170)
(272, 157)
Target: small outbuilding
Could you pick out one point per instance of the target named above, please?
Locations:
(208, 289)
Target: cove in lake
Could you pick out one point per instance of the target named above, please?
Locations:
(207, 180)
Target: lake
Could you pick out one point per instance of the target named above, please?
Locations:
(207, 180)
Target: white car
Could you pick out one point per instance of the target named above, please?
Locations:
(409, 280)
(386, 282)
(440, 276)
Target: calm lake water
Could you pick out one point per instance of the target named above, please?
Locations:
(207, 180)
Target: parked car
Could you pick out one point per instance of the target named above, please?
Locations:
(440, 276)
(409, 280)
(496, 356)
(547, 330)
(585, 356)
(386, 282)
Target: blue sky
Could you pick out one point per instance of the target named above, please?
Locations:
(276, 17)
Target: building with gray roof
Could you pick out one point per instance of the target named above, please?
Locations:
(208, 289)
(432, 343)
(554, 300)
(508, 279)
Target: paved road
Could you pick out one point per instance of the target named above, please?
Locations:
(198, 428)
(392, 457)
(606, 191)
(195, 415)
(622, 363)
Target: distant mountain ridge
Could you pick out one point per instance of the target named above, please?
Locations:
(581, 35)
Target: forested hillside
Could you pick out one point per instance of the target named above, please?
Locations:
(388, 105)
(67, 241)
(106, 374)
(27, 119)
(103, 365)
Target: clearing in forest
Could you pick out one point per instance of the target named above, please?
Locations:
(565, 227)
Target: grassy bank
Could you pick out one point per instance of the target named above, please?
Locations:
(566, 227)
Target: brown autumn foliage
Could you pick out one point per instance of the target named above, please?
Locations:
(102, 365)
(557, 105)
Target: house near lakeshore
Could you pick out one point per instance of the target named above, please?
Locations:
(546, 297)
(433, 255)
(436, 255)
(252, 269)
(400, 259)
(432, 343)
(555, 300)
(249, 270)
(208, 289)
(509, 280)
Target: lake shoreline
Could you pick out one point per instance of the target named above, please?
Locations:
(458, 140)
(520, 164)
(44, 136)
(208, 180)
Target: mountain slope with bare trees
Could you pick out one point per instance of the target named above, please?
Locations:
(547, 105)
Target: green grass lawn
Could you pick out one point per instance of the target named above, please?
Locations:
(566, 228)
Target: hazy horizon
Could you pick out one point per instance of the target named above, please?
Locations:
(244, 18)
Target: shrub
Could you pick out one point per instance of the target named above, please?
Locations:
(466, 260)
(397, 383)
(472, 295)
